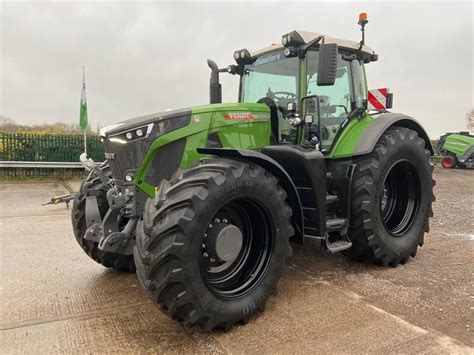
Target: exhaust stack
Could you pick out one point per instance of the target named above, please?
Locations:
(215, 88)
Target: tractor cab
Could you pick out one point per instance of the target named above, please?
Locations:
(311, 82)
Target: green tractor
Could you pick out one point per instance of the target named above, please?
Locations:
(457, 150)
(203, 202)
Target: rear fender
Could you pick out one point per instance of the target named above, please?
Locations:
(369, 138)
(278, 171)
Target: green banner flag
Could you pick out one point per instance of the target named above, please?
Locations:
(83, 121)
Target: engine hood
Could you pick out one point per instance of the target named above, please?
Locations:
(127, 143)
(181, 115)
(143, 121)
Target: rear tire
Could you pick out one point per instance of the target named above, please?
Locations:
(182, 261)
(392, 194)
(118, 262)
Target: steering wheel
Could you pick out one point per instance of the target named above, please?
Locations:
(284, 95)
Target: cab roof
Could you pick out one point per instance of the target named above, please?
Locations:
(351, 46)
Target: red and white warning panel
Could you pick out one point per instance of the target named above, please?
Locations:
(379, 99)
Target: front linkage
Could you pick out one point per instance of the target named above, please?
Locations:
(111, 235)
(103, 221)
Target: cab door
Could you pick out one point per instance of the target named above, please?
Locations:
(335, 102)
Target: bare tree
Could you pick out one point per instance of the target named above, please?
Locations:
(470, 120)
(9, 125)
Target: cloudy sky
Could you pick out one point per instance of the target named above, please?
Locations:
(146, 57)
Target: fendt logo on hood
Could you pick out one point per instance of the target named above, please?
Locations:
(243, 116)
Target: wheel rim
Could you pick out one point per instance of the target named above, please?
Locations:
(447, 163)
(400, 198)
(237, 248)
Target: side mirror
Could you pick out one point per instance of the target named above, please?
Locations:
(327, 66)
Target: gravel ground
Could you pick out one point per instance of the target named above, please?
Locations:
(55, 299)
(454, 207)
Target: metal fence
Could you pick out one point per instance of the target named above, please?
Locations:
(48, 147)
(30, 147)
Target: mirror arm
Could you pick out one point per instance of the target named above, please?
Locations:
(304, 48)
(349, 57)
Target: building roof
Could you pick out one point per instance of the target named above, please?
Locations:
(309, 36)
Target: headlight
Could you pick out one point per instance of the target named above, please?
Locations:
(132, 135)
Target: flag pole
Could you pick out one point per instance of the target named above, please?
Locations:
(85, 131)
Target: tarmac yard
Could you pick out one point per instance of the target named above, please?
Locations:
(55, 299)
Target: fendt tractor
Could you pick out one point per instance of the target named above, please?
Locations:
(457, 150)
(203, 202)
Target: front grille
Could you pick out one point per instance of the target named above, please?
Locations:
(125, 156)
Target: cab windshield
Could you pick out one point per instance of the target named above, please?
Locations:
(271, 75)
(277, 77)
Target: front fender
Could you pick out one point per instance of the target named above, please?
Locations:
(278, 171)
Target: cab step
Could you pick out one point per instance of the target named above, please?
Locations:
(336, 224)
(331, 199)
(338, 245)
(332, 247)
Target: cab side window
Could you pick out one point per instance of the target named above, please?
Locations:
(360, 84)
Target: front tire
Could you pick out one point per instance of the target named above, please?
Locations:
(392, 194)
(213, 242)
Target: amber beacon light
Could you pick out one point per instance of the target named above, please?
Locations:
(362, 19)
(362, 22)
